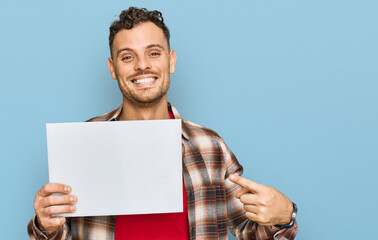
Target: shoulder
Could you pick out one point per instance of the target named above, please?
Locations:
(195, 129)
(109, 116)
(210, 145)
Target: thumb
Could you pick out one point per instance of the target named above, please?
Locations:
(241, 192)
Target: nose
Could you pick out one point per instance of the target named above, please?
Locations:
(142, 64)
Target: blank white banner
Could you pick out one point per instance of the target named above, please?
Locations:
(118, 168)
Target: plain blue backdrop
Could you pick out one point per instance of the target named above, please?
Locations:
(290, 85)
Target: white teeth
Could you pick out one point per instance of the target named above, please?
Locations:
(144, 80)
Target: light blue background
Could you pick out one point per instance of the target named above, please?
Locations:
(290, 85)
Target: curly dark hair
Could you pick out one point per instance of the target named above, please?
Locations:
(131, 17)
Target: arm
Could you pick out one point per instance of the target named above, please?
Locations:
(244, 224)
(43, 225)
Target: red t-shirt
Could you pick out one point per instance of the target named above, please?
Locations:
(154, 226)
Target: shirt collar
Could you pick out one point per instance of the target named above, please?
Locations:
(184, 130)
(116, 114)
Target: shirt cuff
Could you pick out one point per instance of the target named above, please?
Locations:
(286, 233)
(34, 230)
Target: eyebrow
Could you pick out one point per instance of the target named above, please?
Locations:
(132, 50)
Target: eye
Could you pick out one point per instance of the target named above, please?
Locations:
(155, 54)
(127, 58)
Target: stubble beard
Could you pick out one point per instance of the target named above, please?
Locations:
(143, 98)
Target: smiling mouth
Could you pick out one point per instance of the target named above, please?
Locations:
(144, 81)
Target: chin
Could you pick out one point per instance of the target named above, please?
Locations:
(145, 100)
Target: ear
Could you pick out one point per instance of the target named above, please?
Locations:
(172, 61)
(111, 68)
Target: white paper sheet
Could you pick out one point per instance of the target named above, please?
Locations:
(118, 168)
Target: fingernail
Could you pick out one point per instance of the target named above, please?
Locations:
(72, 208)
(232, 177)
(72, 199)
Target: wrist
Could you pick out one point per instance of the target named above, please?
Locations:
(289, 215)
(293, 216)
(39, 226)
(38, 223)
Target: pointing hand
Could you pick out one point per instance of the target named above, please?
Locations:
(263, 204)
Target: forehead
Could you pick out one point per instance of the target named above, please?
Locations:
(139, 37)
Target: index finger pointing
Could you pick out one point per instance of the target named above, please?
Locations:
(51, 188)
(245, 183)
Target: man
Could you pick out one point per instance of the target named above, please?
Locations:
(215, 196)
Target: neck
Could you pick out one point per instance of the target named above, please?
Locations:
(158, 110)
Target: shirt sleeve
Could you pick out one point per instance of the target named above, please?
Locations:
(238, 223)
(62, 233)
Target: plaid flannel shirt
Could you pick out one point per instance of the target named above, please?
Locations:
(212, 206)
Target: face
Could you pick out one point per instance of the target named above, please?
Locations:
(142, 63)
